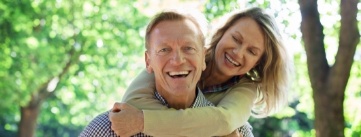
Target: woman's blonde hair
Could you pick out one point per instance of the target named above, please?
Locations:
(273, 70)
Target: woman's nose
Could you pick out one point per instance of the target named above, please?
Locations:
(239, 51)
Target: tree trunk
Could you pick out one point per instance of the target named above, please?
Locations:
(28, 119)
(29, 113)
(329, 83)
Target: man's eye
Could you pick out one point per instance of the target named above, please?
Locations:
(190, 49)
(163, 51)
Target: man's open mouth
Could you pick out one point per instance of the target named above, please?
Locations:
(178, 74)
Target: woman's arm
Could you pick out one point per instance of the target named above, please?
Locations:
(232, 111)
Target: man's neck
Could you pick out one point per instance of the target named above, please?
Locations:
(181, 101)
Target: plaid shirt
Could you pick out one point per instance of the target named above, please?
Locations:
(101, 126)
(224, 86)
(200, 100)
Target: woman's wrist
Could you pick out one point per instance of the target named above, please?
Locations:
(141, 121)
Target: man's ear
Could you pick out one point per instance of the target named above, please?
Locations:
(147, 62)
(204, 59)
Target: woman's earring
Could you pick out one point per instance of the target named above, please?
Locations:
(254, 75)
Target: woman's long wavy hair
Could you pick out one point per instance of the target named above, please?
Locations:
(274, 68)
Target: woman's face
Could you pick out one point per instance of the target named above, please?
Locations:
(240, 48)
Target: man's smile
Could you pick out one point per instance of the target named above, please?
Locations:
(178, 74)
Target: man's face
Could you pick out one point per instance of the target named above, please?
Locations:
(176, 57)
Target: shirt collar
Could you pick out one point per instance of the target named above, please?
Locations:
(200, 100)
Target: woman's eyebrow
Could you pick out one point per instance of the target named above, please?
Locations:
(239, 34)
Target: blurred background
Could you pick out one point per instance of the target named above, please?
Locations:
(62, 62)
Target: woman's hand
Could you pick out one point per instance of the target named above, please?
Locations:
(126, 120)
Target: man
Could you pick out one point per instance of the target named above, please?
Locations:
(176, 56)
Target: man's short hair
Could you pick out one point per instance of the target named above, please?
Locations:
(175, 15)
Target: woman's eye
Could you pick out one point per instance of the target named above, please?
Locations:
(236, 39)
(252, 52)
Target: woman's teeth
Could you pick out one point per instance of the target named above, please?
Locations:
(232, 61)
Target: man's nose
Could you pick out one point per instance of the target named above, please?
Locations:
(178, 57)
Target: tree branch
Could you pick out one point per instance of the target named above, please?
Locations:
(43, 92)
(74, 57)
(348, 39)
(312, 34)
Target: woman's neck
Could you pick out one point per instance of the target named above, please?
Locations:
(212, 77)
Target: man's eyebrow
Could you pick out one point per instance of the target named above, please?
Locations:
(194, 44)
(189, 42)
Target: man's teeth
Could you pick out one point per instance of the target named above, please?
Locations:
(178, 73)
(232, 61)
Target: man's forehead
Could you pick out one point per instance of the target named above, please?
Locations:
(185, 24)
(180, 30)
(184, 40)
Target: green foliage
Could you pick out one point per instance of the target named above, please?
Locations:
(101, 39)
(352, 109)
(283, 124)
(216, 8)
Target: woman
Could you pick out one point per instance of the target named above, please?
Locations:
(247, 64)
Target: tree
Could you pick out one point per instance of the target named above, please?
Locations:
(329, 82)
(65, 51)
(101, 41)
